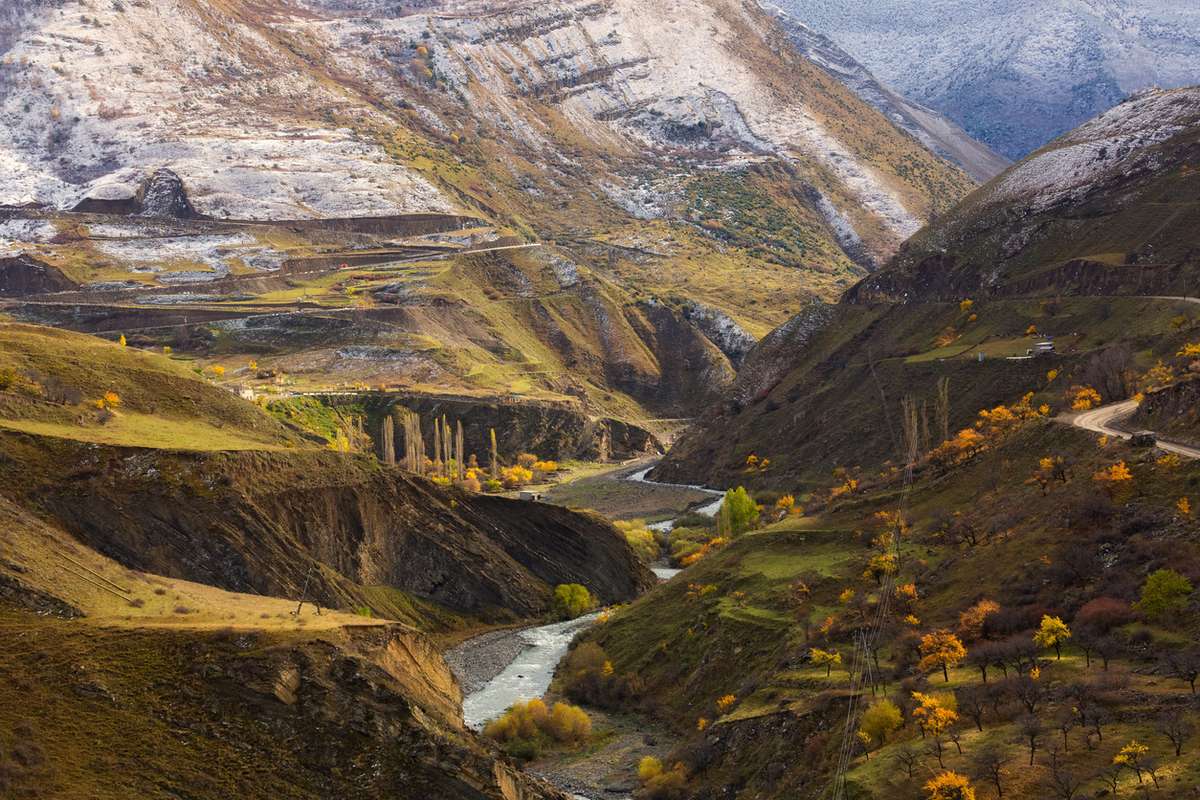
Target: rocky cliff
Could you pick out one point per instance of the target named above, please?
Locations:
(275, 523)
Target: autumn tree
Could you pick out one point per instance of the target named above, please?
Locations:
(941, 649)
(1132, 756)
(1052, 633)
(825, 658)
(880, 719)
(949, 786)
(934, 715)
(971, 621)
(1164, 592)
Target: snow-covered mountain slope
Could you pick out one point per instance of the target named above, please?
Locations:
(1110, 208)
(1016, 73)
(332, 108)
(934, 130)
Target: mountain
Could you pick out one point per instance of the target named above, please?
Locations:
(1109, 208)
(935, 131)
(1091, 241)
(566, 201)
(1016, 74)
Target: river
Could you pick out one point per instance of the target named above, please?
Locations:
(540, 649)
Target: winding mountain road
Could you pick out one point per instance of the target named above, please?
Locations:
(1100, 420)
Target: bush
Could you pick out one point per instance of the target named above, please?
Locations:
(8, 377)
(572, 600)
(694, 520)
(880, 719)
(587, 676)
(659, 783)
(643, 541)
(1165, 591)
(527, 728)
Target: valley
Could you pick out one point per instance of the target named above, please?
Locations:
(598, 400)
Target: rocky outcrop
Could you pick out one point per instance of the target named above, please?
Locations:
(275, 523)
(163, 195)
(553, 430)
(1173, 413)
(23, 275)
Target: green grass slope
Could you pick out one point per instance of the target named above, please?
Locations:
(737, 625)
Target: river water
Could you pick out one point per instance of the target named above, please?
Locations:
(528, 676)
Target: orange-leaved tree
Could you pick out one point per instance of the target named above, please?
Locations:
(941, 649)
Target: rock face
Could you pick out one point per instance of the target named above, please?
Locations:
(163, 196)
(1173, 413)
(261, 522)
(356, 713)
(937, 132)
(23, 275)
(1081, 216)
(552, 430)
(620, 79)
(1015, 73)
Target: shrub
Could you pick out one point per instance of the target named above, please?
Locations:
(1101, 614)
(572, 600)
(526, 728)
(881, 718)
(1165, 591)
(659, 783)
(587, 676)
(643, 541)
(8, 377)
(514, 477)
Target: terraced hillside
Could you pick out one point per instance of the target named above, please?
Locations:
(689, 187)
(754, 654)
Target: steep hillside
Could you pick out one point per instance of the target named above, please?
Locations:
(219, 693)
(939, 133)
(730, 651)
(1016, 73)
(547, 177)
(1110, 208)
(825, 390)
(1173, 412)
(168, 495)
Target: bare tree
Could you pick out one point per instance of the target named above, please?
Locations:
(907, 758)
(1031, 693)
(1184, 664)
(1176, 726)
(1062, 780)
(943, 408)
(988, 764)
(1065, 721)
(388, 440)
(1031, 732)
(972, 701)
